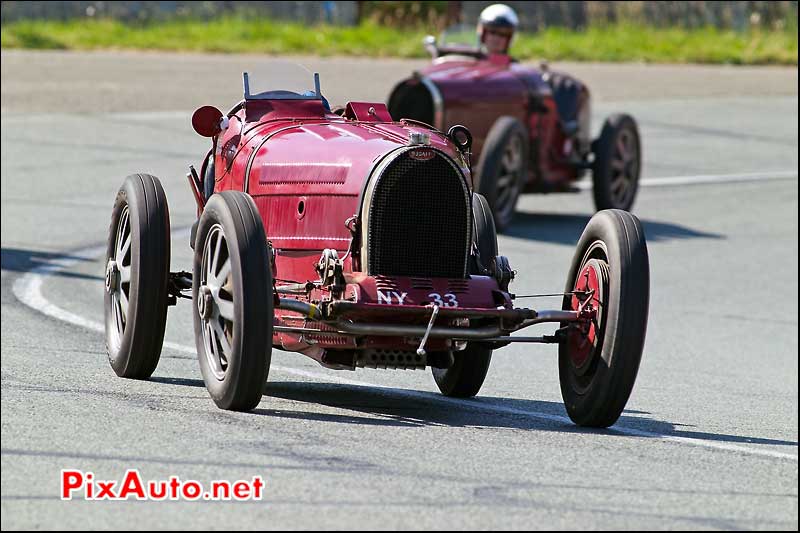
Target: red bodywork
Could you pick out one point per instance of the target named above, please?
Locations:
(307, 170)
(476, 91)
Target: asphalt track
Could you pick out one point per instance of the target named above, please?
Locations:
(709, 439)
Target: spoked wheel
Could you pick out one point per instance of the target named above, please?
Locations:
(617, 165)
(118, 278)
(508, 182)
(599, 358)
(503, 168)
(136, 277)
(464, 378)
(215, 302)
(232, 292)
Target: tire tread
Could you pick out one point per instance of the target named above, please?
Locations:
(140, 347)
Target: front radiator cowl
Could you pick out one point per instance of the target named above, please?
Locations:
(418, 217)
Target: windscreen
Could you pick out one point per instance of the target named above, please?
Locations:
(280, 79)
(459, 36)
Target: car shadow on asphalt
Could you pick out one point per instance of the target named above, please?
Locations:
(399, 407)
(267, 410)
(23, 260)
(183, 382)
(566, 228)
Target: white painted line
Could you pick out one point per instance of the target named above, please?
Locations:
(28, 289)
(702, 179)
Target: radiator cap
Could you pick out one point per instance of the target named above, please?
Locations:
(419, 137)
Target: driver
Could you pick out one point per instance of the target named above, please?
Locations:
(496, 27)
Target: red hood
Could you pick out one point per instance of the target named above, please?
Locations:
(466, 70)
(329, 157)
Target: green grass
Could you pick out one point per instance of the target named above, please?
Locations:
(629, 42)
(618, 42)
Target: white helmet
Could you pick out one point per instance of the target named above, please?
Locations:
(498, 18)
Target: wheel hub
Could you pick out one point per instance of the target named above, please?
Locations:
(112, 276)
(205, 302)
(584, 336)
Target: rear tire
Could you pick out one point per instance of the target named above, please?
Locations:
(617, 164)
(484, 237)
(466, 375)
(233, 301)
(503, 168)
(598, 362)
(137, 273)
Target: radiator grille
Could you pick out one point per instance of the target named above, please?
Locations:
(419, 219)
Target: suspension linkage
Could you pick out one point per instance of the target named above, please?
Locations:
(178, 284)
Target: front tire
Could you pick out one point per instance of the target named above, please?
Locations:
(137, 273)
(464, 378)
(503, 168)
(233, 301)
(598, 361)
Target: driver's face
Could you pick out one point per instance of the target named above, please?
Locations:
(495, 42)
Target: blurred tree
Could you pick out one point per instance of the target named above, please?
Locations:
(431, 15)
(453, 14)
(412, 14)
(360, 11)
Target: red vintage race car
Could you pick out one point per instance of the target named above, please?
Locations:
(530, 127)
(358, 241)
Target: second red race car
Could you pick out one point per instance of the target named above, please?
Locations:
(531, 126)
